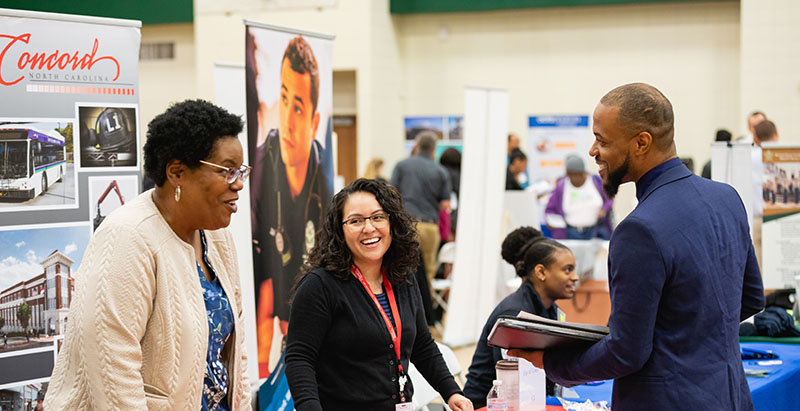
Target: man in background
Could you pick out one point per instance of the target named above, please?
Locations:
(682, 272)
(425, 187)
(753, 120)
(513, 144)
(289, 195)
(763, 132)
(517, 163)
(766, 132)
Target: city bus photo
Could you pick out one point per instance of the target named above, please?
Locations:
(30, 161)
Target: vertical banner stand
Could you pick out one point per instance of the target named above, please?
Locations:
(732, 163)
(475, 272)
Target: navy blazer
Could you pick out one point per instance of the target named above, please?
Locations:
(682, 275)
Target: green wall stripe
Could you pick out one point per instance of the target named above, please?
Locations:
(445, 6)
(148, 11)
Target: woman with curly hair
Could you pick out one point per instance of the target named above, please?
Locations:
(357, 317)
(547, 268)
(155, 321)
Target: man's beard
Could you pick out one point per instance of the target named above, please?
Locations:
(614, 178)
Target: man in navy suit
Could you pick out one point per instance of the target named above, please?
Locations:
(682, 272)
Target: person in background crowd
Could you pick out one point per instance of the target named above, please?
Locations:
(374, 168)
(722, 136)
(425, 187)
(289, 194)
(763, 132)
(547, 269)
(512, 144)
(451, 161)
(576, 210)
(517, 164)
(156, 317)
(753, 120)
(357, 319)
(682, 272)
(766, 132)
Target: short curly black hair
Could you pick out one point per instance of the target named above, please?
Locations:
(331, 252)
(187, 131)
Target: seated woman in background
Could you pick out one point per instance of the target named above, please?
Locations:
(357, 317)
(547, 268)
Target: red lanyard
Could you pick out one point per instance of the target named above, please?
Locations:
(395, 312)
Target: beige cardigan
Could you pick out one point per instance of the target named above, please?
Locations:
(137, 331)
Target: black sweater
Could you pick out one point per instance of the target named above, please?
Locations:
(482, 370)
(339, 355)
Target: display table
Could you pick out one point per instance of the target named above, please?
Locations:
(549, 408)
(777, 391)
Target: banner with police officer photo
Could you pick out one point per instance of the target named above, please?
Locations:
(51, 65)
(289, 124)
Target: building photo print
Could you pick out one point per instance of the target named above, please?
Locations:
(37, 281)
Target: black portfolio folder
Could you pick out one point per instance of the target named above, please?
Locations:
(537, 333)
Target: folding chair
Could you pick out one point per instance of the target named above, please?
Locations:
(452, 362)
(440, 286)
(424, 394)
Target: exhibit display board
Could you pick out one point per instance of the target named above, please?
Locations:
(69, 155)
(550, 139)
(288, 81)
(780, 238)
(448, 131)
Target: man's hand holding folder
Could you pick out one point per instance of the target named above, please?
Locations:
(535, 357)
(526, 335)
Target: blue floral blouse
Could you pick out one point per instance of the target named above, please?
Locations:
(220, 326)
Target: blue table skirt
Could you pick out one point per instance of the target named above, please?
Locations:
(779, 390)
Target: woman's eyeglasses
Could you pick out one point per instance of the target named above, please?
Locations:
(233, 173)
(378, 221)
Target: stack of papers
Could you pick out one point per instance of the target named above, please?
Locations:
(532, 332)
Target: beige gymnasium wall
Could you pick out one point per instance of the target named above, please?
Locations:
(770, 58)
(164, 82)
(715, 61)
(562, 60)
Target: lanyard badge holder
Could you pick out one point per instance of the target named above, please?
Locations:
(395, 335)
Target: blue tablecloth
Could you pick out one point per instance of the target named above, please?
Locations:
(779, 390)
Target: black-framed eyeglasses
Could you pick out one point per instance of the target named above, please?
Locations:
(379, 220)
(233, 173)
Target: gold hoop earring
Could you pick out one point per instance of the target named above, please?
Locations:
(178, 194)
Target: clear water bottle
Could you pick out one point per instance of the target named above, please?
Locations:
(495, 401)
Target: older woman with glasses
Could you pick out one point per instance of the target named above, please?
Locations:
(155, 321)
(357, 317)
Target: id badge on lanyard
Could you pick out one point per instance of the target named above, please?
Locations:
(395, 335)
(403, 406)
